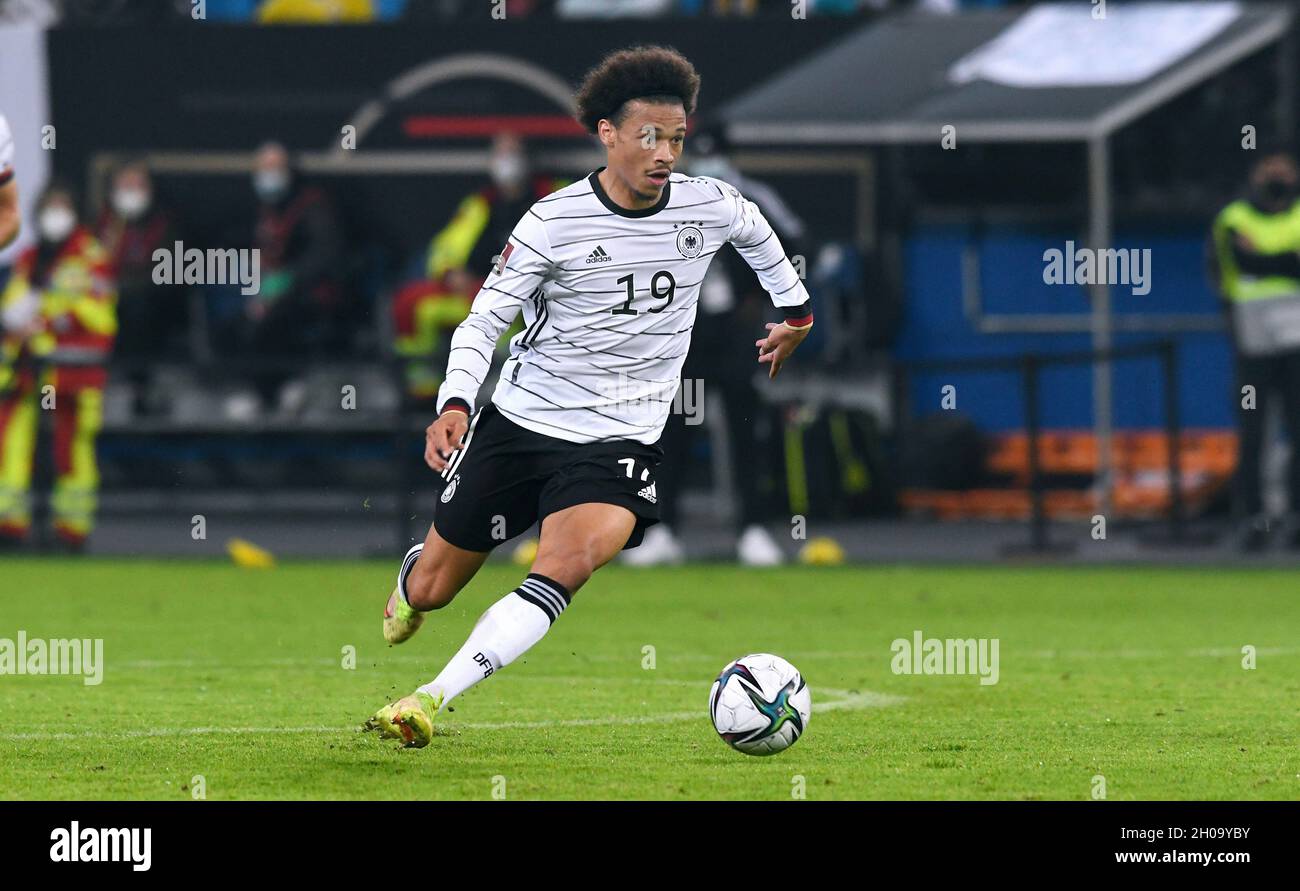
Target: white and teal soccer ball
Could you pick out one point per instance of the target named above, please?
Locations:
(760, 704)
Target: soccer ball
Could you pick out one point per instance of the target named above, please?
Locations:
(760, 704)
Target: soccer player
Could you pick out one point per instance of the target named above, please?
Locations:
(607, 274)
(10, 215)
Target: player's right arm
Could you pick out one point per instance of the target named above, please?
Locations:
(755, 240)
(520, 268)
(10, 216)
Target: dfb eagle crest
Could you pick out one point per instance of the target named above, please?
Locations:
(690, 242)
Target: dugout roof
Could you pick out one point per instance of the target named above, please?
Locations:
(900, 79)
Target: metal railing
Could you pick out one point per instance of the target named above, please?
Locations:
(1030, 367)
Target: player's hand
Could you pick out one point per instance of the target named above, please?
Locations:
(443, 437)
(781, 341)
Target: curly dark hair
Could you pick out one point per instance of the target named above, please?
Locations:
(654, 73)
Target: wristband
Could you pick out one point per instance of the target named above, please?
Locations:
(799, 318)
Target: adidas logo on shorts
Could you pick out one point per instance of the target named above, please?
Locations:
(649, 493)
(598, 256)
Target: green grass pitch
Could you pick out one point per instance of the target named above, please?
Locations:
(237, 676)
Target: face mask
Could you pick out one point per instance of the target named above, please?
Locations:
(1279, 191)
(130, 203)
(271, 185)
(507, 170)
(56, 223)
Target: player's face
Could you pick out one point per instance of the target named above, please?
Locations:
(644, 148)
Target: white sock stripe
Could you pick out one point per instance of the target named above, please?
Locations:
(559, 598)
(543, 591)
(545, 597)
(553, 588)
(536, 600)
(407, 562)
(547, 588)
(459, 454)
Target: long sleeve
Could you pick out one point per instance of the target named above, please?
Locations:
(521, 267)
(755, 240)
(6, 152)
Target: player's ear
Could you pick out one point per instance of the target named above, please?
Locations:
(607, 132)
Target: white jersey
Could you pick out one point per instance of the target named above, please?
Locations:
(609, 298)
(6, 152)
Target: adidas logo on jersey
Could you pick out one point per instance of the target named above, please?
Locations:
(649, 493)
(598, 256)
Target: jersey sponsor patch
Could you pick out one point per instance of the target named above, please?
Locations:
(503, 258)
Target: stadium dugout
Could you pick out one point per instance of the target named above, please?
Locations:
(1049, 74)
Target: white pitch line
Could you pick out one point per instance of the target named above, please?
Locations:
(846, 701)
(389, 658)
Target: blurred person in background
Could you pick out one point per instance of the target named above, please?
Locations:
(731, 299)
(612, 9)
(59, 320)
(317, 12)
(299, 310)
(1255, 266)
(151, 317)
(10, 215)
(459, 259)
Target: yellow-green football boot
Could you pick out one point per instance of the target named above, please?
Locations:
(409, 719)
(400, 620)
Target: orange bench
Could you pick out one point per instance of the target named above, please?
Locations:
(1139, 463)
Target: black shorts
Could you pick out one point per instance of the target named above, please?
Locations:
(506, 478)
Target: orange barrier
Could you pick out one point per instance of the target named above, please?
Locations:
(1139, 462)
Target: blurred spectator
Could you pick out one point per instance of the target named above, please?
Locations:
(612, 9)
(460, 256)
(151, 318)
(299, 310)
(1255, 264)
(306, 11)
(316, 12)
(58, 311)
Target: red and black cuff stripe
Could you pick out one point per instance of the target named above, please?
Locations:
(800, 316)
(5, 176)
(455, 403)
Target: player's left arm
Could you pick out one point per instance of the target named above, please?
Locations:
(756, 241)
